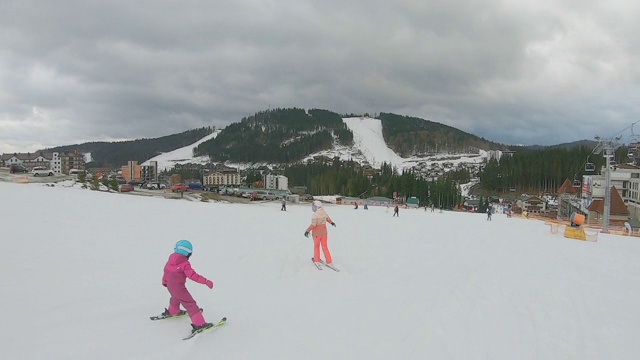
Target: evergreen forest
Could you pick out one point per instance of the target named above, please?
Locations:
(541, 170)
(277, 136)
(409, 136)
(347, 178)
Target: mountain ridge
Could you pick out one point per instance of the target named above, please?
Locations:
(291, 135)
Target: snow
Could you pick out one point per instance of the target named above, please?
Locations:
(182, 155)
(81, 273)
(368, 138)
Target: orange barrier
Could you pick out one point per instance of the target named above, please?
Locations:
(20, 180)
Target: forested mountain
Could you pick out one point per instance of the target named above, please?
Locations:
(278, 136)
(115, 154)
(409, 136)
(541, 170)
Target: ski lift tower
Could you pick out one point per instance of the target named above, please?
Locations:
(608, 149)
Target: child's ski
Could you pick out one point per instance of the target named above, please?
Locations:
(209, 328)
(317, 264)
(330, 266)
(162, 316)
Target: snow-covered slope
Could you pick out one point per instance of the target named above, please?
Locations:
(183, 155)
(78, 284)
(368, 139)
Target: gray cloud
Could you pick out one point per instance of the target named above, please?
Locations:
(517, 72)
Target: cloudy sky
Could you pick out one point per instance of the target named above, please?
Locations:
(511, 71)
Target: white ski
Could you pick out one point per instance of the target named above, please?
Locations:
(317, 265)
(330, 266)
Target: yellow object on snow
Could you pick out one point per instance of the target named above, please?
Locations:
(575, 233)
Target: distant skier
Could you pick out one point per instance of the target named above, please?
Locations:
(433, 206)
(396, 211)
(284, 205)
(176, 272)
(366, 207)
(318, 226)
(356, 207)
(488, 214)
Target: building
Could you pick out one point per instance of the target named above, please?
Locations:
(149, 173)
(568, 200)
(227, 176)
(276, 182)
(71, 160)
(132, 171)
(532, 204)
(617, 209)
(59, 162)
(625, 178)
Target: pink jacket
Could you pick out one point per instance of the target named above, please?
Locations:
(176, 272)
(319, 222)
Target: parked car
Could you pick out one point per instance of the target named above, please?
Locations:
(155, 186)
(41, 171)
(15, 168)
(194, 186)
(179, 187)
(264, 195)
(126, 188)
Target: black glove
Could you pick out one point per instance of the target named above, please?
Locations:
(306, 234)
(333, 224)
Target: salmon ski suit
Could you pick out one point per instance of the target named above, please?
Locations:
(176, 272)
(318, 228)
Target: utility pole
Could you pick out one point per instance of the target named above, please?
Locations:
(608, 149)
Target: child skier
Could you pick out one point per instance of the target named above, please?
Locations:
(488, 214)
(319, 227)
(176, 272)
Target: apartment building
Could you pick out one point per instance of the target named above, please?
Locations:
(132, 171)
(276, 182)
(227, 176)
(59, 162)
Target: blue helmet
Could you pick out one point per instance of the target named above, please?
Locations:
(183, 247)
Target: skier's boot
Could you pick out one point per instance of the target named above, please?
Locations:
(195, 328)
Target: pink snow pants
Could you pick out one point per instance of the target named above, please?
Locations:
(182, 296)
(321, 241)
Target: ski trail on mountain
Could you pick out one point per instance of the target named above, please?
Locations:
(367, 137)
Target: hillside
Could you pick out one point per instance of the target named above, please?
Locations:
(277, 136)
(290, 135)
(115, 154)
(410, 136)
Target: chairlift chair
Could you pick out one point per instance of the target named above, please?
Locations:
(589, 167)
(577, 183)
